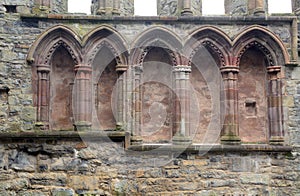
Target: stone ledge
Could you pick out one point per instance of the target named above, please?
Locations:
(198, 19)
(64, 135)
(198, 148)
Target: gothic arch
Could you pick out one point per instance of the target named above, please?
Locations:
(213, 39)
(262, 75)
(108, 37)
(156, 37)
(264, 40)
(45, 55)
(42, 49)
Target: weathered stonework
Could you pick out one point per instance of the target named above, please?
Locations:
(66, 78)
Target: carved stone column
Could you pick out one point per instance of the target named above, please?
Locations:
(186, 8)
(182, 104)
(121, 69)
(137, 105)
(256, 7)
(116, 7)
(43, 96)
(230, 130)
(82, 95)
(42, 6)
(101, 7)
(275, 106)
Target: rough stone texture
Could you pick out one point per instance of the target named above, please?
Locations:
(236, 7)
(196, 7)
(103, 169)
(168, 8)
(127, 7)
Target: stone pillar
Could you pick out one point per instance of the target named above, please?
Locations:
(42, 6)
(230, 130)
(275, 106)
(116, 7)
(256, 7)
(101, 7)
(137, 105)
(121, 69)
(82, 96)
(43, 96)
(186, 8)
(182, 104)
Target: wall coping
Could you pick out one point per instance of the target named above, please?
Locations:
(196, 19)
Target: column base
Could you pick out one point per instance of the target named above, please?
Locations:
(181, 140)
(82, 126)
(100, 12)
(259, 12)
(42, 126)
(230, 140)
(276, 140)
(186, 12)
(136, 140)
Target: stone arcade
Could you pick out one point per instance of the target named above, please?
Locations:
(174, 104)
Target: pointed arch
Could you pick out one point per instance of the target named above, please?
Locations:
(160, 37)
(105, 36)
(264, 40)
(213, 39)
(45, 45)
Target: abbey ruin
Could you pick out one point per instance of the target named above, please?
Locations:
(181, 103)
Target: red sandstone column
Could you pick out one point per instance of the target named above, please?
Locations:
(182, 103)
(137, 105)
(256, 7)
(121, 69)
(275, 106)
(82, 98)
(43, 96)
(186, 8)
(230, 129)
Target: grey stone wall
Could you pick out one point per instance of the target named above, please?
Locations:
(100, 168)
(236, 7)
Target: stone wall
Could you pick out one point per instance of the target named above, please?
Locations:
(103, 168)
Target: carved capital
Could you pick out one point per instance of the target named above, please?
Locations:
(182, 68)
(43, 68)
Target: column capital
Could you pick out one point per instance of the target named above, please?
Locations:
(83, 68)
(274, 69)
(182, 68)
(43, 68)
(230, 68)
(121, 68)
(138, 68)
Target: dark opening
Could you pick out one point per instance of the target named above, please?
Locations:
(11, 8)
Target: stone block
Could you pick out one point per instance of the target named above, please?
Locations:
(84, 182)
(254, 179)
(296, 73)
(288, 101)
(63, 192)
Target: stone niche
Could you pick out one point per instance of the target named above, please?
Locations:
(252, 98)
(157, 94)
(105, 80)
(62, 79)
